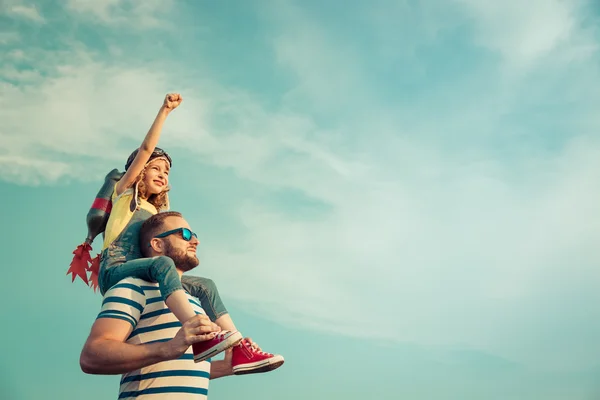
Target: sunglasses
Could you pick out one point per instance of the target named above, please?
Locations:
(186, 234)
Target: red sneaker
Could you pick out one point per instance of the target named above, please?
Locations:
(248, 360)
(212, 347)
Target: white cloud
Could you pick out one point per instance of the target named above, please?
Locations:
(101, 9)
(17, 54)
(31, 171)
(29, 12)
(321, 63)
(421, 245)
(8, 37)
(79, 111)
(531, 32)
(133, 14)
(459, 258)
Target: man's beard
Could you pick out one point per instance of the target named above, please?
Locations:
(183, 261)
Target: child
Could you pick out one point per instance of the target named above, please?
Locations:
(140, 193)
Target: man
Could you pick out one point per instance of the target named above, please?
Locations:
(136, 335)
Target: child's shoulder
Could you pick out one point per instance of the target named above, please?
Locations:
(127, 192)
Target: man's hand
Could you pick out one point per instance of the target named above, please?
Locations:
(221, 368)
(196, 329)
(229, 352)
(172, 101)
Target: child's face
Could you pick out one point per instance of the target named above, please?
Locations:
(157, 176)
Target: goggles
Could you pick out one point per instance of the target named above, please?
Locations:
(158, 152)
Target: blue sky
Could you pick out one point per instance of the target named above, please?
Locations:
(400, 197)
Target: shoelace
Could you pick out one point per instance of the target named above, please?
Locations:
(221, 335)
(255, 350)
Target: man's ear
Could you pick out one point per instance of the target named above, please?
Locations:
(157, 245)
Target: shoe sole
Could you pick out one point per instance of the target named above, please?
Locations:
(258, 367)
(221, 347)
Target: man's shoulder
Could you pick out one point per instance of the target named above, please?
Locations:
(126, 300)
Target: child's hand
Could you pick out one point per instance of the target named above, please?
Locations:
(172, 101)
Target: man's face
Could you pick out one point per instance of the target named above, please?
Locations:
(182, 252)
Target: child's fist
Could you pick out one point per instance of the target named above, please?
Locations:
(172, 101)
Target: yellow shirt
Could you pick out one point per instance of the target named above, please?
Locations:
(121, 214)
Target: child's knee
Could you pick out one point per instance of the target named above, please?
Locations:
(163, 264)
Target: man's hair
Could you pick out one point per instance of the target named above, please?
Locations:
(152, 227)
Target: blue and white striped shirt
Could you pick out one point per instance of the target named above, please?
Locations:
(140, 303)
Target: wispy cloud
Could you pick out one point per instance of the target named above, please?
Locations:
(21, 10)
(130, 13)
(464, 246)
(539, 31)
(31, 171)
(8, 37)
(76, 115)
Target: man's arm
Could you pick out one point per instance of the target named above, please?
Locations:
(105, 351)
(221, 368)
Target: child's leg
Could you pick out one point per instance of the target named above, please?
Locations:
(246, 359)
(225, 322)
(163, 271)
(156, 269)
(206, 291)
(179, 305)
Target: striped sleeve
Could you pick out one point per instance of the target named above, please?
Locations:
(125, 301)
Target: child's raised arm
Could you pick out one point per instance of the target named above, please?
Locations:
(172, 101)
